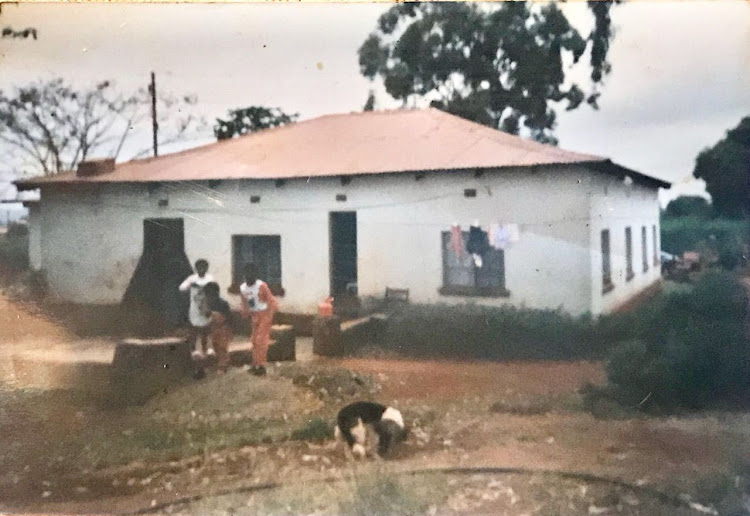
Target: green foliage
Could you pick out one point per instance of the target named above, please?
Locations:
(506, 333)
(691, 353)
(500, 65)
(724, 237)
(14, 249)
(249, 120)
(725, 168)
(689, 206)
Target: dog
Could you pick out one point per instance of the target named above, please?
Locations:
(386, 422)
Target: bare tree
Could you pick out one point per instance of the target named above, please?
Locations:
(54, 125)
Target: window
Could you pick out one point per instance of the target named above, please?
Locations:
(462, 278)
(606, 263)
(644, 248)
(656, 246)
(262, 250)
(629, 253)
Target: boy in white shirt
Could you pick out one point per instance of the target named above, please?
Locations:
(199, 314)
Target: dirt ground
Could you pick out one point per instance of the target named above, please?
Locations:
(512, 415)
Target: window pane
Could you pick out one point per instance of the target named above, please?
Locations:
(461, 272)
(262, 250)
(644, 248)
(492, 272)
(629, 248)
(457, 272)
(606, 264)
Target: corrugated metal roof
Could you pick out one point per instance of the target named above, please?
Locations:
(347, 144)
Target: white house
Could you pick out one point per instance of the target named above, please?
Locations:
(364, 199)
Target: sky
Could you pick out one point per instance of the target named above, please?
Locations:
(680, 70)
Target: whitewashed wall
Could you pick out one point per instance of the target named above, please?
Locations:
(92, 240)
(615, 206)
(35, 237)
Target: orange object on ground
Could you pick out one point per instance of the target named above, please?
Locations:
(325, 307)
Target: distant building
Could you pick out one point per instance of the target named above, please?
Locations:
(358, 203)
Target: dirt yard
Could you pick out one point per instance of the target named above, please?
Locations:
(207, 443)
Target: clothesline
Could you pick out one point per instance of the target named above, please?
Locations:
(194, 213)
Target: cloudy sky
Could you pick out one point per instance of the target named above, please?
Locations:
(681, 70)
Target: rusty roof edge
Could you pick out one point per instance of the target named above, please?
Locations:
(30, 184)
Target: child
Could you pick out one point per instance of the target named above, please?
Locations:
(259, 304)
(198, 314)
(219, 324)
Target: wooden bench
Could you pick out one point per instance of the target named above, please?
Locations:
(397, 295)
(283, 346)
(335, 338)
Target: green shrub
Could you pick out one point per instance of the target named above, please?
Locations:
(723, 236)
(691, 352)
(14, 252)
(17, 231)
(505, 333)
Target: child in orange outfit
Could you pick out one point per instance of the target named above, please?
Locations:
(259, 304)
(221, 334)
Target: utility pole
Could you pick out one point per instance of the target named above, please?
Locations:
(152, 90)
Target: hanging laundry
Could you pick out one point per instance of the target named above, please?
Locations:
(457, 241)
(478, 244)
(499, 236)
(514, 233)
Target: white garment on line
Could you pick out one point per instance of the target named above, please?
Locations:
(514, 233)
(499, 236)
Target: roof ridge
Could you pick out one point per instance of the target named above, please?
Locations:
(261, 132)
(512, 139)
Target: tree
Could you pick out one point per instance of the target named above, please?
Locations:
(370, 103)
(725, 168)
(689, 206)
(499, 65)
(53, 126)
(249, 120)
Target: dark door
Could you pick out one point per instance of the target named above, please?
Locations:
(153, 290)
(343, 246)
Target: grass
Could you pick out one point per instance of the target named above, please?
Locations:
(219, 412)
(368, 492)
(315, 429)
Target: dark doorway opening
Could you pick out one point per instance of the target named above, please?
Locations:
(343, 259)
(152, 300)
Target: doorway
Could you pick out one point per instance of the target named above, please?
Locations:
(153, 291)
(343, 249)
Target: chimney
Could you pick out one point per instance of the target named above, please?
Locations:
(95, 167)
